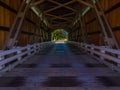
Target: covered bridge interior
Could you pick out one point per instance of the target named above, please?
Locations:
(90, 58)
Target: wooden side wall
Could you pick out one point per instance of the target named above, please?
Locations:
(8, 11)
(112, 12)
(92, 27)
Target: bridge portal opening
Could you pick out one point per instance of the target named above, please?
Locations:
(59, 35)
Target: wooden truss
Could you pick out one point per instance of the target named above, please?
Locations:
(95, 5)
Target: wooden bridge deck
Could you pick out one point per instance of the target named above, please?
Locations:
(62, 67)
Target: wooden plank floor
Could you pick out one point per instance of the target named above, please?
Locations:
(62, 67)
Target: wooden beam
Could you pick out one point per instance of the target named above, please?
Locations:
(59, 27)
(37, 2)
(58, 17)
(68, 14)
(55, 2)
(105, 26)
(65, 24)
(15, 30)
(64, 15)
(56, 27)
(85, 3)
(59, 23)
(59, 6)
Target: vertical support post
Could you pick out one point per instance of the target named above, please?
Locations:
(45, 36)
(42, 36)
(34, 36)
(106, 29)
(84, 34)
(79, 35)
(72, 36)
(49, 36)
(76, 35)
(16, 27)
(39, 38)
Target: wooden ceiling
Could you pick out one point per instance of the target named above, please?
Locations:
(60, 13)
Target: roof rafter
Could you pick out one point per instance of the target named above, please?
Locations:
(58, 24)
(55, 2)
(59, 6)
(37, 2)
(58, 17)
(65, 15)
(68, 14)
(85, 3)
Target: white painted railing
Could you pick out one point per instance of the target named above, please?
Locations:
(109, 57)
(10, 58)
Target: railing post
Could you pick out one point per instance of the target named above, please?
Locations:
(28, 50)
(1, 67)
(19, 52)
(119, 56)
(1, 57)
(85, 47)
(91, 51)
(81, 45)
(77, 44)
(35, 46)
(118, 63)
(102, 51)
(40, 46)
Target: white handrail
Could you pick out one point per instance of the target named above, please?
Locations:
(18, 55)
(110, 57)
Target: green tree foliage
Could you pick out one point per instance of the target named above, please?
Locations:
(59, 34)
